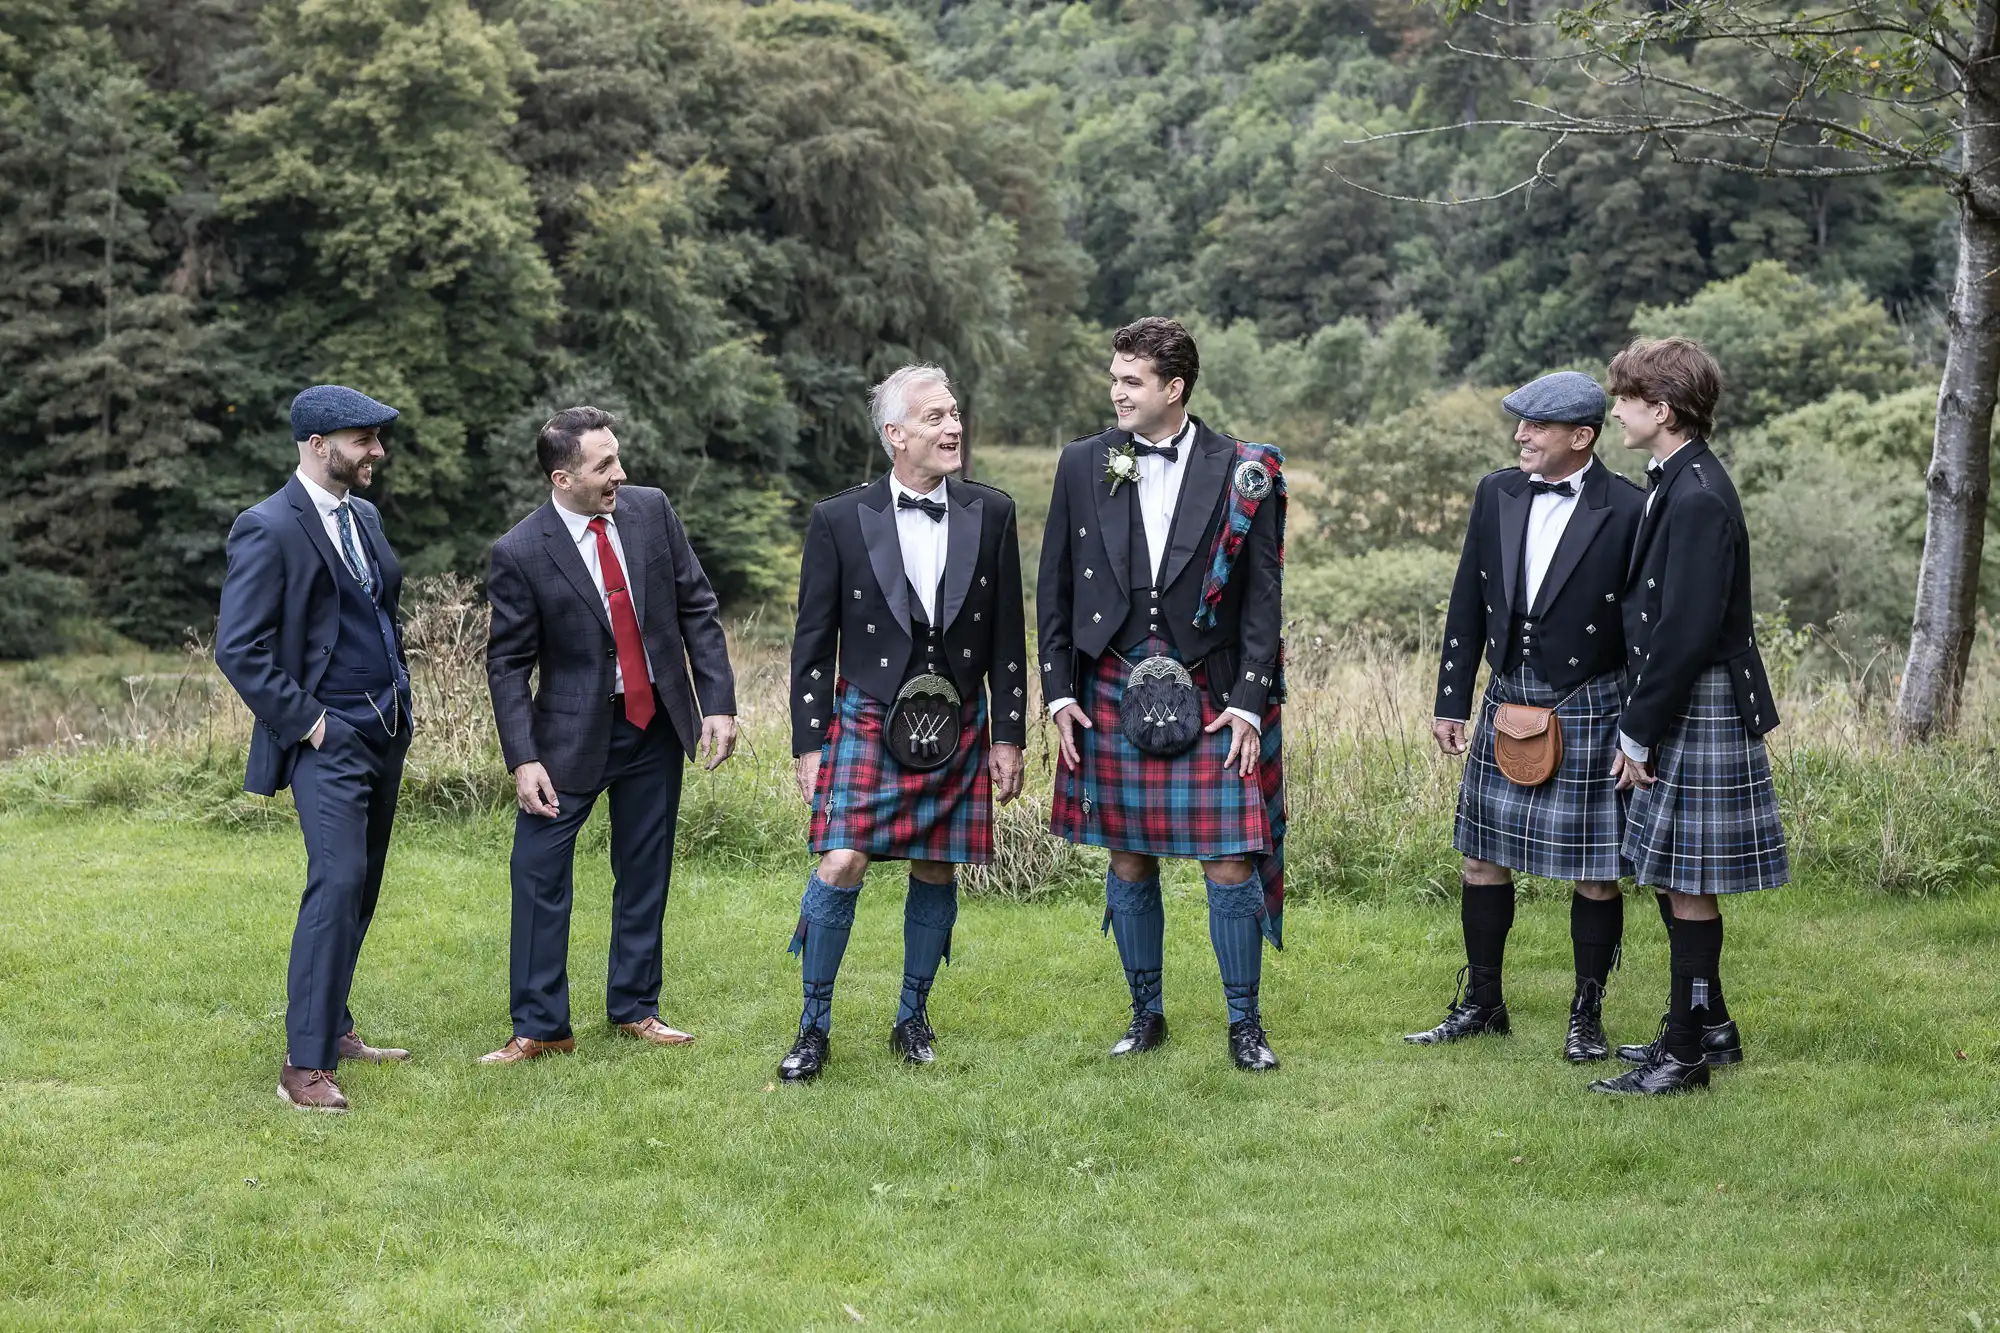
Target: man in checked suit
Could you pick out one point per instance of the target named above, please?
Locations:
(308, 635)
(600, 590)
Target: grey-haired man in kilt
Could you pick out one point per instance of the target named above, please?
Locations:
(1536, 596)
(910, 648)
(1704, 816)
(1160, 610)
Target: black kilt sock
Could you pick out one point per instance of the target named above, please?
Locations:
(1666, 911)
(1486, 912)
(1595, 932)
(1697, 949)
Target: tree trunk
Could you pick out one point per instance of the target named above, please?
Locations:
(1955, 525)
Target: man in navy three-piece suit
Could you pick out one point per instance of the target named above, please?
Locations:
(309, 637)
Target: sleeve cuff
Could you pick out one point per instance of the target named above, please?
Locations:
(1249, 717)
(307, 738)
(1633, 750)
(1057, 705)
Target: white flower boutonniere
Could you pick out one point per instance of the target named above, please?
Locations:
(1121, 466)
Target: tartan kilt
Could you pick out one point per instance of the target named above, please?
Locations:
(1186, 806)
(867, 802)
(1709, 824)
(1573, 825)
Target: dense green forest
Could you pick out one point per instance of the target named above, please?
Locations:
(723, 220)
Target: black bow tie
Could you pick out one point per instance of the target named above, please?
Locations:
(1552, 488)
(1170, 452)
(933, 508)
(1654, 472)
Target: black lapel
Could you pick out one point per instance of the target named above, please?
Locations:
(1114, 512)
(877, 513)
(562, 550)
(632, 536)
(309, 519)
(1513, 511)
(1202, 486)
(1657, 509)
(961, 551)
(1593, 507)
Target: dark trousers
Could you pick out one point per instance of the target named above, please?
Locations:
(345, 792)
(643, 777)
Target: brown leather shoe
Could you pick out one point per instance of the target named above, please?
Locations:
(310, 1089)
(353, 1048)
(650, 1028)
(527, 1048)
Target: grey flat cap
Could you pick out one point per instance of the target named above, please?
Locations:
(1567, 397)
(326, 408)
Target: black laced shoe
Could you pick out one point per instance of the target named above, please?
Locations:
(1463, 1019)
(806, 1058)
(1586, 1041)
(1248, 1047)
(912, 1039)
(1721, 1044)
(1664, 1075)
(1147, 1031)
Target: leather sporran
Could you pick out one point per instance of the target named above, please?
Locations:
(1161, 711)
(922, 729)
(1527, 743)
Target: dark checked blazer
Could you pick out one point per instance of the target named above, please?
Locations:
(854, 607)
(280, 616)
(1095, 592)
(1687, 600)
(1574, 625)
(547, 614)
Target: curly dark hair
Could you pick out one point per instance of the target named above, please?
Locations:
(1167, 345)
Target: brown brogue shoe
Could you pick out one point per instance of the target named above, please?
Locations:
(650, 1028)
(310, 1089)
(527, 1048)
(353, 1048)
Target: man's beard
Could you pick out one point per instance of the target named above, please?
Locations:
(347, 471)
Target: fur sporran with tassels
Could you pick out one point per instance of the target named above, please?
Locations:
(1161, 711)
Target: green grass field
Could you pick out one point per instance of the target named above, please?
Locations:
(1843, 1178)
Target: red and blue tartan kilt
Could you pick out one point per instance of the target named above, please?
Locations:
(867, 802)
(1709, 823)
(1188, 806)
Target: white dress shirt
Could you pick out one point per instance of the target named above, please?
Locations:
(924, 540)
(1159, 491)
(1548, 519)
(586, 546)
(1632, 748)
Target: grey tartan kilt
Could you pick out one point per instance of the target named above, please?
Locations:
(1571, 826)
(1710, 823)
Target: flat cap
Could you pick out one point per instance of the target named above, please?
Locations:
(1567, 397)
(326, 408)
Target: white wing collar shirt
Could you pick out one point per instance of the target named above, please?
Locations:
(1548, 518)
(1159, 492)
(923, 539)
(586, 546)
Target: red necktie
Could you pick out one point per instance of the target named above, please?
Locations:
(625, 630)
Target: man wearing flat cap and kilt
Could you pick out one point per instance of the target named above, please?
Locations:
(308, 634)
(1536, 596)
(909, 699)
(1160, 606)
(1704, 817)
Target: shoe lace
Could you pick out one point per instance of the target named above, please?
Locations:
(1458, 992)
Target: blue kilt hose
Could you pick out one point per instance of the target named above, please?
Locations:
(867, 802)
(1187, 806)
(1573, 825)
(1709, 824)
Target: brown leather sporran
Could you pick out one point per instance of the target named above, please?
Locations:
(1527, 743)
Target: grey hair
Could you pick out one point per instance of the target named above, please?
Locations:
(890, 400)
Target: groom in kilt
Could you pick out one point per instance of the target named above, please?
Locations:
(1160, 609)
(1536, 596)
(1704, 816)
(909, 619)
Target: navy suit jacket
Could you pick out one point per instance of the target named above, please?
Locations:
(280, 616)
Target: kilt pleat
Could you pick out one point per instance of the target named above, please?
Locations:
(1573, 825)
(1186, 806)
(867, 802)
(1710, 823)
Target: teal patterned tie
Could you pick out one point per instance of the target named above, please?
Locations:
(350, 549)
